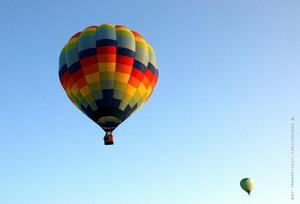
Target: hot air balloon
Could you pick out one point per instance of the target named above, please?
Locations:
(108, 72)
(247, 185)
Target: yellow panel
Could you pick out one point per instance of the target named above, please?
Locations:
(137, 96)
(140, 105)
(107, 76)
(91, 78)
(141, 102)
(149, 91)
(107, 84)
(123, 28)
(132, 103)
(85, 90)
(141, 42)
(142, 98)
(90, 100)
(95, 86)
(120, 86)
(125, 101)
(130, 90)
(106, 25)
(80, 98)
(74, 89)
(91, 28)
(72, 43)
(69, 92)
(122, 77)
(142, 89)
(106, 67)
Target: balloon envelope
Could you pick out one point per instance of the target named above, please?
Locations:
(247, 185)
(108, 72)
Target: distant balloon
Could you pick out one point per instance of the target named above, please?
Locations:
(108, 72)
(247, 185)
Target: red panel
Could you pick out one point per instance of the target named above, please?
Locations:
(125, 60)
(146, 82)
(106, 50)
(149, 75)
(70, 82)
(137, 34)
(64, 79)
(90, 69)
(134, 82)
(76, 35)
(92, 27)
(77, 75)
(81, 83)
(107, 58)
(89, 60)
(123, 68)
(137, 73)
(120, 26)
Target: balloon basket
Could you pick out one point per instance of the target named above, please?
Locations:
(108, 138)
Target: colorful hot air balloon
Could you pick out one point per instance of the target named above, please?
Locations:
(108, 72)
(247, 185)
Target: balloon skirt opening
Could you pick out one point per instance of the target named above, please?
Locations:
(108, 138)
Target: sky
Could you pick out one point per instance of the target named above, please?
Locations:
(221, 111)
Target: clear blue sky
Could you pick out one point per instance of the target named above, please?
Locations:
(228, 86)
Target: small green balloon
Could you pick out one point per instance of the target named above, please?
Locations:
(247, 185)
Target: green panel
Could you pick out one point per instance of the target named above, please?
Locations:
(87, 39)
(152, 58)
(106, 31)
(125, 39)
(62, 58)
(142, 53)
(71, 53)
